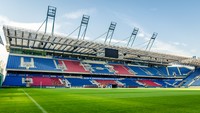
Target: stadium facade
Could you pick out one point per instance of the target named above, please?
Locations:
(39, 59)
(42, 60)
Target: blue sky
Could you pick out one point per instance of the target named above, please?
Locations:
(177, 22)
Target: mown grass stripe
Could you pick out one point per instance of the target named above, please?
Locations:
(38, 105)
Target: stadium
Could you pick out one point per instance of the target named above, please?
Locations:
(51, 73)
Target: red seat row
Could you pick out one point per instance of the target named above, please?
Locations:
(46, 81)
(149, 83)
(73, 66)
(121, 70)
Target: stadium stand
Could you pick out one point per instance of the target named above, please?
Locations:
(130, 83)
(66, 62)
(174, 71)
(190, 79)
(196, 81)
(99, 69)
(41, 81)
(21, 62)
(152, 71)
(105, 83)
(121, 69)
(44, 64)
(72, 66)
(138, 71)
(184, 71)
(45, 81)
(11, 81)
(150, 83)
(163, 71)
(79, 82)
(164, 83)
(14, 62)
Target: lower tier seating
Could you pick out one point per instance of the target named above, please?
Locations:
(149, 83)
(37, 81)
(11, 81)
(79, 82)
(104, 83)
(191, 78)
(130, 83)
(45, 81)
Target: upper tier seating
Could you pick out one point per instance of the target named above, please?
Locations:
(138, 70)
(79, 82)
(27, 59)
(14, 62)
(76, 66)
(73, 66)
(149, 83)
(173, 71)
(152, 71)
(100, 69)
(184, 70)
(44, 64)
(13, 81)
(163, 71)
(121, 69)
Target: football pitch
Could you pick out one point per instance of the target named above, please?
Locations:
(36, 100)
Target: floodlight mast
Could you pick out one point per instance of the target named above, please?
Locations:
(151, 41)
(110, 32)
(51, 14)
(133, 36)
(1, 41)
(84, 25)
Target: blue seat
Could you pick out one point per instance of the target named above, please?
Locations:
(46, 64)
(78, 82)
(14, 62)
(100, 69)
(163, 70)
(130, 83)
(153, 71)
(137, 70)
(184, 70)
(191, 77)
(173, 71)
(13, 81)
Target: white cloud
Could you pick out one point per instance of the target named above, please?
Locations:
(32, 26)
(79, 13)
(170, 48)
(179, 44)
(6, 21)
(159, 45)
(175, 48)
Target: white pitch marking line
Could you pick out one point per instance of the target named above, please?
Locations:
(38, 105)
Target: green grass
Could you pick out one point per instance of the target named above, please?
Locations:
(100, 100)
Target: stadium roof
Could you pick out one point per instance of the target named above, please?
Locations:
(27, 39)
